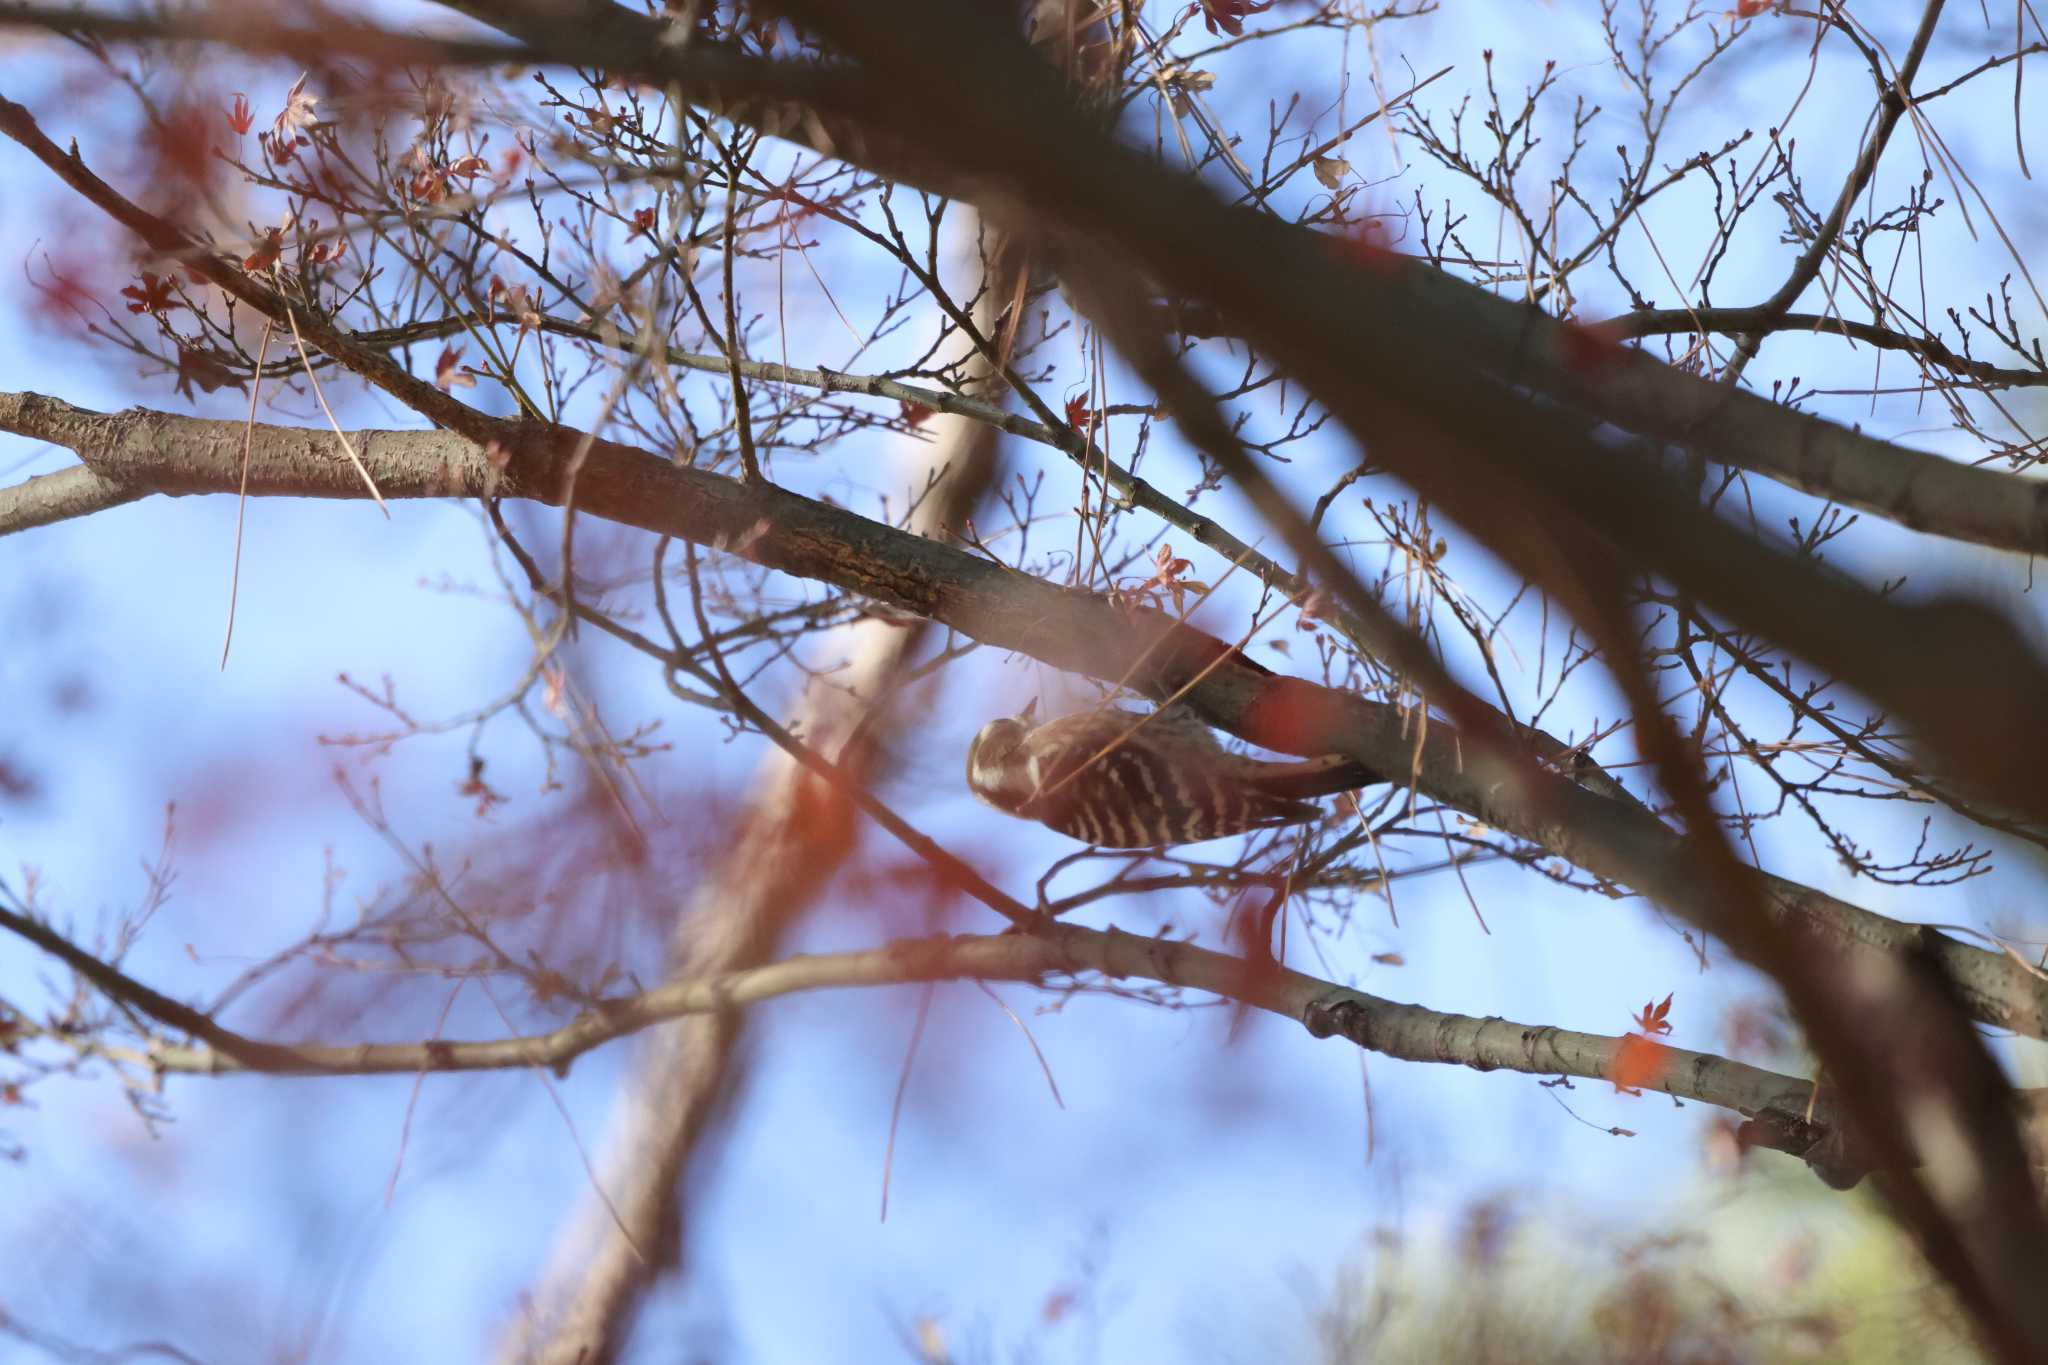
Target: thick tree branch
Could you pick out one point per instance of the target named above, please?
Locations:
(140, 451)
(1446, 324)
(1442, 405)
(1448, 330)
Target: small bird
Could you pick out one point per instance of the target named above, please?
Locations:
(1117, 778)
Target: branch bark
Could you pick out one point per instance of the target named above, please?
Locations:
(1447, 325)
(139, 452)
(1786, 1113)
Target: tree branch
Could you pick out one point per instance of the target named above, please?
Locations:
(1762, 318)
(1447, 325)
(1791, 1117)
(140, 452)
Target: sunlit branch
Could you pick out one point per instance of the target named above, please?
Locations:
(138, 452)
(1060, 957)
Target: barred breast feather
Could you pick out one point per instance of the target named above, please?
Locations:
(1119, 779)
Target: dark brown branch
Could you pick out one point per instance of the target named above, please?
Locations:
(1435, 376)
(1447, 327)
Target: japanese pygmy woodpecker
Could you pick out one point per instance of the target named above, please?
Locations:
(1124, 779)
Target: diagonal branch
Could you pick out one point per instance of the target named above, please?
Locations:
(1447, 326)
(140, 452)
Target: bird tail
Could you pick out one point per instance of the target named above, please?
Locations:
(1315, 777)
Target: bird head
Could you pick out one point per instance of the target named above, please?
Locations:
(997, 774)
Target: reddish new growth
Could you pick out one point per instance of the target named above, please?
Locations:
(297, 113)
(1079, 414)
(474, 786)
(322, 252)
(1166, 578)
(287, 130)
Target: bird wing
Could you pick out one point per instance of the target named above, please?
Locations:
(1118, 779)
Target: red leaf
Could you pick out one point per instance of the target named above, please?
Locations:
(643, 221)
(153, 296)
(195, 367)
(914, 414)
(179, 145)
(425, 181)
(1078, 412)
(1228, 16)
(240, 118)
(1749, 9)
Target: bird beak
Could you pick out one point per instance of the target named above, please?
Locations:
(1029, 711)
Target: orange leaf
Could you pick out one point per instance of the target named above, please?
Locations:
(1638, 1062)
(1655, 1018)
